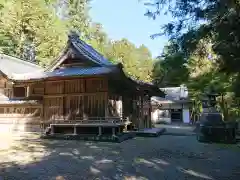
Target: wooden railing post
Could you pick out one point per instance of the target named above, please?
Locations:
(113, 131)
(75, 130)
(99, 130)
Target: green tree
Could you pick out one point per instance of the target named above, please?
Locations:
(200, 73)
(137, 61)
(32, 21)
(44, 25)
(170, 69)
(195, 20)
(98, 38)
(207, 34)
(77, 15)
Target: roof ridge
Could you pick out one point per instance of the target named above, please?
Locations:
(19, 60)
(95, 51)
(85, 52)
(75, 38)
(82, 47)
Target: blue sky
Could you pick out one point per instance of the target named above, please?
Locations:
(125, 19)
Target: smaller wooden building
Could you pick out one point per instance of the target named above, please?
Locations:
(175, 107)
(80, 91)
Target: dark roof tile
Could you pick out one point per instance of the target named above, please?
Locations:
(88, 50)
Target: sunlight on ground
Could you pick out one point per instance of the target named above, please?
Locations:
(160, 161)
(6, 141)
(131, 160)
(94, 170)
(60, 178)
(134, 178)
(194, 173)
(147, 163)
(14, 149)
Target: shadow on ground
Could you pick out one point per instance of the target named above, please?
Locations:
(179, 134)
(139, 158)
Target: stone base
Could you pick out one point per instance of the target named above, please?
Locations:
(217, 135)
(151, 132)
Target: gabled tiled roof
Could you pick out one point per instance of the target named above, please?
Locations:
(11, 66)
(89, 51)
(79, 48)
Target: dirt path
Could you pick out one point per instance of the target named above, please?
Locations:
(165, 157)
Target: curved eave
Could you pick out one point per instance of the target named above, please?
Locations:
(149, 89)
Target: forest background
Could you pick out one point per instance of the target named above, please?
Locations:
(202, 52)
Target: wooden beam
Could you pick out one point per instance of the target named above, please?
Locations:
(73, 94)
(22, 84)
(60, 78)
(21, 105)
(73, 64)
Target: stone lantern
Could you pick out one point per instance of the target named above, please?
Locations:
(212, 99)
(209, 101)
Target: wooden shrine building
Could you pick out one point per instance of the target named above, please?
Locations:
(79, 88)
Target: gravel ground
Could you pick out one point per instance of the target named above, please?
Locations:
(166, 157)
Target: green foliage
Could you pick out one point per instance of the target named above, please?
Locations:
(45, 24)
(200, 73)
(137, 61)
(194, 20)
(170, 69)
(207, 34)
(77, 16)
(22, 21)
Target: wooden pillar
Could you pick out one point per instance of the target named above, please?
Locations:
(136, 114)
(106, 105)
(141, 112)
(44, 116)
(27, 89)
(75, 130)
(113, 131)
(41, 118)
(149, 112)
(99, 130)
(52, 129)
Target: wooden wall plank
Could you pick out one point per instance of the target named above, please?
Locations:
(54, 87)
(53, 108)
